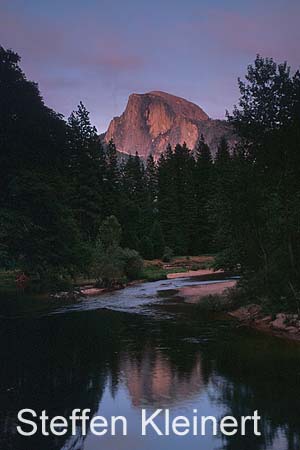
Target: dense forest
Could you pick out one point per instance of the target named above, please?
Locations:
(70, 205)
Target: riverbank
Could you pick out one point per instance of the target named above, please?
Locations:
(180, 266)
(195, 294)
(210, 292)
(282, 324)
(16, 300)
(216, 296)
(156, 269)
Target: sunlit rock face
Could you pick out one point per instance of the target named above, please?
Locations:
(153, 120)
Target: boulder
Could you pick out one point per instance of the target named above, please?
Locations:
(280, 323)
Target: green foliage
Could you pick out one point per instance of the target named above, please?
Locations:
(87, 172)
(52, 281)
(109, 266)
(176, 198)
(38, 230)
(59, 183)
(261, 186)
(154, 273)
(146, 248)
(134, 206)
(110, 233)
(113, 265)
(202, 225)
(168, 254)
(116, 265)
(157, 239)
(268, 99)
(151, 179)
(7, 281)
(133, 264)
(112, 185)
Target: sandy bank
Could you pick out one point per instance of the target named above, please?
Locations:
(194, 294)
(93, 291)
(194, 273)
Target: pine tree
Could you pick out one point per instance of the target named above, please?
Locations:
(264, 237)
(203, 227)
(146, 248)
(166, 199)
(86, 172)
(222, 159)
(113, 188)
(150, 208)
(38, 232)
(137, 217)
(221, 199)
(151, 179)
(176, 199)
(157, 239)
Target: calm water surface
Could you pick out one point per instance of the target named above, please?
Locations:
(143, 348)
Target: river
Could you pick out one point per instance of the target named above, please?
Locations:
(143, 347)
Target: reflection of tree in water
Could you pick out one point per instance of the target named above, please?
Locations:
(245, 373)
(65, 362)
(268, 381)
(49, 366)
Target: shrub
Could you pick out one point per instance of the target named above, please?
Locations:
(133, 264)
(146, 248)
(154, 273)
(115, 265)
(50, 281)
(167, 255)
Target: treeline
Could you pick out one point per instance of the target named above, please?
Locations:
(60, 183)
(259, 207)
(62, 190)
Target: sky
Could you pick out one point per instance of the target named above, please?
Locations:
(101, 51)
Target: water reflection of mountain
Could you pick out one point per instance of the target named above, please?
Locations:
(154, 381)
(66, 362)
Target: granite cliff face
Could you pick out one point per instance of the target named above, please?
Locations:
(153, 120)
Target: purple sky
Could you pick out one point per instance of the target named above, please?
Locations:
(100, 51)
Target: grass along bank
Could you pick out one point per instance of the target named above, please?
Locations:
(158, 269)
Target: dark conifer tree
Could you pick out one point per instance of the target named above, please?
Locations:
(220, 201)
(176, 199)
(112, 191)
(146, 247)
(150, 209)
(267, 120)
(134, 202)
(38, 232)
(203, 179)
(167, 209)
(87, 172)
(157, 239)
(151, 179)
